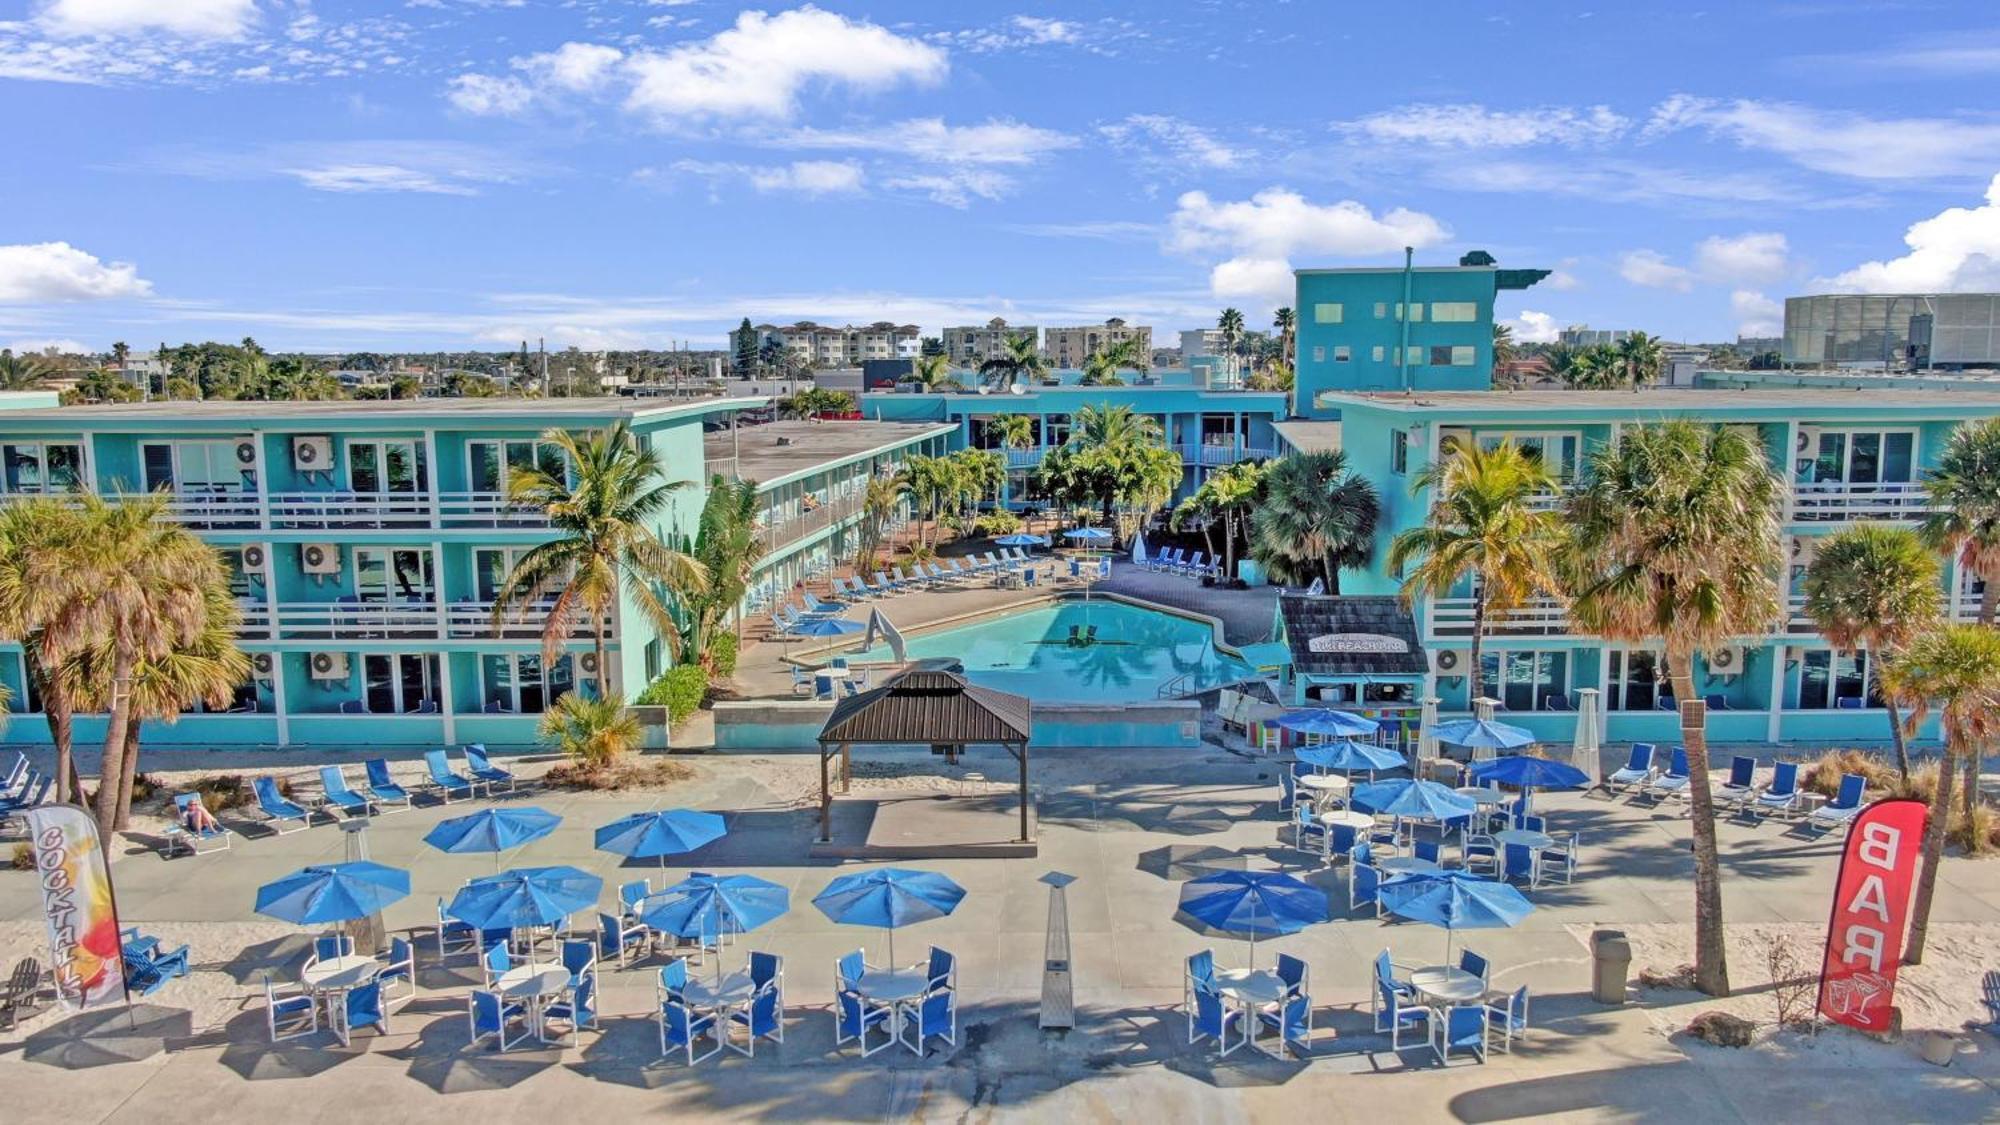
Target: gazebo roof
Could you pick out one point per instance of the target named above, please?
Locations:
(929, 706)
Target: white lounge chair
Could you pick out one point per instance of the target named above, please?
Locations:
(1638, 768)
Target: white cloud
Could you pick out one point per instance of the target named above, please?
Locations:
(1756, 314)
(195, 19)
(57, 271)
(1172, 141)
(484, 95)
(576, 67)
(1563, 276)
(1040, 30)
(356, 178)
(1475, 126)
(62, 346)
(1847, 144)
(1259, 236)
(1956, 249)
(811, 177)
(954, 187)
(1533, 327)
(1651, 269)
(1747, 258)
(929, 138)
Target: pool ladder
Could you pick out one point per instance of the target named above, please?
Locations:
(1177, 688)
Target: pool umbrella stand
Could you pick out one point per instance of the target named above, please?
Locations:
(492, 830)
(1328, 721)
(1349, 756)
(524, 897)
(1268, 903)
(334, 894)
(1454, 901)
(720, 905)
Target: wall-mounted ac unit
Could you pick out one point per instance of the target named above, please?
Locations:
(246, 453)
(1807, 444)
(586, 664)
(1450, 661)
(1805, 548)
(312, 453)
(1726, 661)
(320, 558)
(253, 557)
(263, 664)
(329, 665)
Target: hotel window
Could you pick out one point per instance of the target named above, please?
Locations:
(1376, 353)
(394, 574)
(400, 683)
(33, 467)
(1319, 354)
(385, 466)
(1454, 312)
(1416, 311)
(1441, 357)
(1523, 681)
(191, 466)
(1560, 454)
(1341, 353)
(1826, 677)
(1381, 309)
(493, 463)
(1328, 312)
(516, 684)
(1857, 457)
(1399, 451)
(1464, 355)
(1414, 356)
(1638, 680)
(27, 700)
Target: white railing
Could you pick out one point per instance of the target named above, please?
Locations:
(473, 620)
(256, 618)
(792, 528)
(357, 620)
(1452, 617)
(1025, 458)
(720, 467)
(1834, 500)
(365, 510)
(1221, 454)
(1546, 501)
(217, 509)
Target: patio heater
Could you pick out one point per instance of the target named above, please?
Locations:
(1058, 991)
(369, 932)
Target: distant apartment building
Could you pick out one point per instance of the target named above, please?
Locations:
(1069, 347)
(820, 345)
(1201, 341)
(1939, 330)
(972, 344)
(1584, 336)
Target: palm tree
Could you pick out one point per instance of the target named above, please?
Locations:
(604, 541)
(25, 371)
(1874, 587)
(932, 484)
(1957, 670)
(1231, 492)
(1316, 517)
(1286, 322)
(1593, 369)
(1015, 431)
(878, 503)
(1101, 367)
(1276, 377)
(1964, 520)
(1642, 357)
(45, 606)
(978, 474)
(1675, 537)
(595, 732)
(933, 373)
(1483, 524)
(1231, 324)
(1112, 425)
(1020, 360)
(1504, 350)
(727, 545)
(1198, 509)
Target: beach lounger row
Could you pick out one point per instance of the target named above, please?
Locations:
(1740, 791)
(1174, 560)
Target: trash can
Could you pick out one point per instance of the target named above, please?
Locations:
(1610, 961)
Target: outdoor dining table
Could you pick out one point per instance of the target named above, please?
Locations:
(1324, 785)
(896, 988)
(1447, 985)
(720, 996)
(536, 984)
(1404, 864)
(1359, 821)
(1524, 838)
(328, 979)
(1251, 989)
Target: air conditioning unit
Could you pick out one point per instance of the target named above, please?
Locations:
(1726, 661)
(329, 665)
(246, 453)
(1807, 444)
(586, 664)
(1449, 434)
(253, 557)
(312, 453)
(1805, 548)
(320, 558)
(1450, 661)
(262, 664)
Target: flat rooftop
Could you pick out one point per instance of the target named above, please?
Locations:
(1672, 400)
(1310, 437)
(778, 450)
(251, 411)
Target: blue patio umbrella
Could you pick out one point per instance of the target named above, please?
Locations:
(1484, 734)
(1411, 798)
(1021, 539)
(1327, 721)
(825, 627)
(326, 894)
(1530, 772)
(1088, 535)
(702, 906)
(660, 833)
(492, 830)
(1454, 900)
(525, 896)
(1348, 755)
(1257, 903)
(889, 898)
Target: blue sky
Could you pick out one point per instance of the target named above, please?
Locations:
(463, 173)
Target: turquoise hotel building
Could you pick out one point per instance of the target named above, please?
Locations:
(1851, 450)
(366, 542)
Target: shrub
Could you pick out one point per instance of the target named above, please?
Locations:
(227, 791)
(1985, 830)
(679, 689)
(918, 552)
(1923, 782)
(24, 857)
(1000, 521)
(597, 732)
(1823, 774)
(722, 654)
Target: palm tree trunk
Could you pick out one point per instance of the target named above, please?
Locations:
(1971, 800)
(1897, 738)
(1229, 543)
(603, 662)
(113, 764)
(1478, 643)
(1711, 961)
(1208, 536)
(128, 776)
(1920, 910)
(1332, 574)
(61, 717)
(1989, 598)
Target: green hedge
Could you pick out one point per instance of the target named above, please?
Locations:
(722, 654)
(679, 690)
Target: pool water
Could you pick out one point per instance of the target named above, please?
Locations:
(1029, 653)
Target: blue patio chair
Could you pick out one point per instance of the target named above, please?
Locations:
(279, 811)
(1210, 1020)
(1463, 1028)
(332, 947)
(940, 971)
(1385, 974)
(1473, 963)
(1560, 860)
(576, 1010)
(1200, 973)
(454, 935)
(149, 966)
(1292, 1019)
(360, 1006)
(1845, 806)
(179, 835)
(383, 788)
(765, 1017)
(399, 969)
(673, 980)
(1340, 840)
(484, 771)
(1509, 1016)
(1364, 885)
(495, 961)
(443, 781)
(289, 1015)
(1782, 795)
(34, 791)
(619, 938)
(488, 1014)
(1740, 786)
(1305, 824)
(1396, 1012)
(681, 1028)
(1428, 850)
(1292, 972)
(935, 1017)
(1557, 701)
(1520, 861)
(849, 969)
(579, 956)
(1480, 853)
(1848, 703)
(333, 784)
(1535, 823)
(1638, 768)
(854, 1014)
(631, 894)
(1674, 782)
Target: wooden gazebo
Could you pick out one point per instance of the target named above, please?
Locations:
(924, 707)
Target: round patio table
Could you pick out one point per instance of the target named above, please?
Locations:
(1324, 785)
(1481, 795)
(1251, 989)
(720, 996)
(339, 973)
(1447, 985)
(896, 988)
(1522, 838)
(1359, 821)
(1404, 864)
(536, 984)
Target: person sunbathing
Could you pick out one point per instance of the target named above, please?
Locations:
(197, 819)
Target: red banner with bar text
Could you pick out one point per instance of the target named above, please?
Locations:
(1871, 911)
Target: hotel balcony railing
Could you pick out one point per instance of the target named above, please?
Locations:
(285, 511)
(395, 620)
(1207, 453)
(1838, 501)
(789, 529)
(1539, 617)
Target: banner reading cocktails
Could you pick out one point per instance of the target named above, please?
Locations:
(76, 900)
(1871, 910)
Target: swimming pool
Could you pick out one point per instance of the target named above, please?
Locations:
(1028, 652)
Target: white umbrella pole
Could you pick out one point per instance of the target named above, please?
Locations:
(892, 949)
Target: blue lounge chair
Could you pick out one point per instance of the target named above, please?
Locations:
(1210, 1020)
(1845, 806)
(488, 1015)
(334, 786)
(443, 781)
(382, 788)
(454, 935)
(576, 1011)
(1674, 782)
(360, 1006)
(1509, 1016)
(16, 780)
(179, 835)
(148, 967)
(277, 810)
(1463, 1028)
(34, 791)
(1741, 784)
(484, 771)
(1782, 795)
(680, 1028)
(297, 1012)
(1288, 790)
(854, 1014)
(1638, 768)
